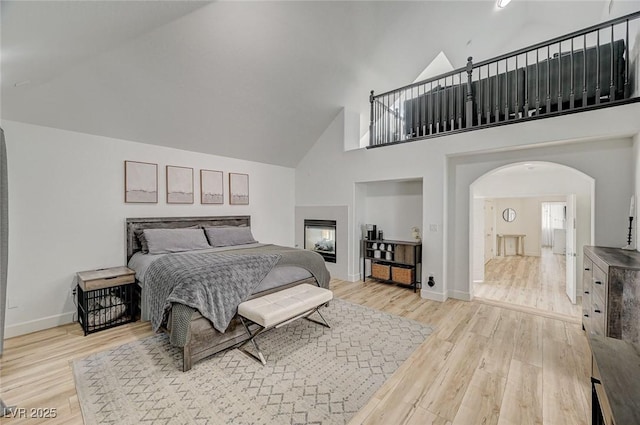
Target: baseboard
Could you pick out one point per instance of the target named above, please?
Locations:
(38, 324)
(354, 277)
(461, 295)
(431, 295)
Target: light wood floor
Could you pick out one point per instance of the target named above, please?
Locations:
(534, 282)
(482, 365)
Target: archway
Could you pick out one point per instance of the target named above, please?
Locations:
(522, 189)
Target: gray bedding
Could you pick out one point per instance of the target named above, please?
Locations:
(195, 281)
(279, 275)
(214, 283)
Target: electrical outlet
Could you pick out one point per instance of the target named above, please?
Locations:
(72, 292)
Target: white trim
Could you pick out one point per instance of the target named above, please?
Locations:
(431, 295)
(461, 295)
(38, 324)
(354, 277)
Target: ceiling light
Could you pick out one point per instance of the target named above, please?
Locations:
(503, 3)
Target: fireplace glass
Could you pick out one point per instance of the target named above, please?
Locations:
(320, 236)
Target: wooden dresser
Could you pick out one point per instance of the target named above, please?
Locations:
(611, 318)
(611, 293)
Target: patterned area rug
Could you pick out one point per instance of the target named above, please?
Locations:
(313, 375)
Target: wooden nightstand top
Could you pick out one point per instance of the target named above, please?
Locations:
(105, 278)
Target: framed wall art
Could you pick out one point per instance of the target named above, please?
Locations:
(211, 187)
(140, 182)
(179, 185)
(238, 189)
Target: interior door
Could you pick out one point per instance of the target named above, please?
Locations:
(570, 253)
(489, 232)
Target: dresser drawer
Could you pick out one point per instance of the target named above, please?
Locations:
(598, 315)
(598, 289)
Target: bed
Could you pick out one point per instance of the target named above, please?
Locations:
(187, 326)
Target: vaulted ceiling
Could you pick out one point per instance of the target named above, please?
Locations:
(254, 80)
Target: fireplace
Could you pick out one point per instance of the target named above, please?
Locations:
(320, 236)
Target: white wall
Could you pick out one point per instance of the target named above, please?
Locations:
(446, 200)
(394, 207)
(528, 221)
(67, 211)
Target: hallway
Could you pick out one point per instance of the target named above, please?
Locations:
(529, 282)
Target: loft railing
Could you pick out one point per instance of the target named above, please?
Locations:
(580, 71)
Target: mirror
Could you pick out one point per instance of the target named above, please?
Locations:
(509, 214)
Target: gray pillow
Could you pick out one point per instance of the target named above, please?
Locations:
(229, 236)
(165, 241)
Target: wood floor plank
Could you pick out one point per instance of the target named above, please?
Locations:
(444, 397)
(563, 398)
(482, 400)
(522, 402)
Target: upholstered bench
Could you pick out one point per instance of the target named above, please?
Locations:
(280, 308)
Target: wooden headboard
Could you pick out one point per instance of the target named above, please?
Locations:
(133, 224)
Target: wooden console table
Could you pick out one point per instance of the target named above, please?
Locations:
(502, 248)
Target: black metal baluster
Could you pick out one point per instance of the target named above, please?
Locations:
(445, 106)
(423, 110)
(452, 104)
(431, 109)
(400, 120)
(517, 105)
(584, 70)
(598, 67)
(525, 108)
(437, 101)
(417, 124)
(394, 125)
(378, 122)
(506, 90)
(626, 64)
(387, 113)
(560, 76)
(537, 81)
(572, 94)
(612, 87)
(488, 101)
(548, 108)
(479, 96)
(497, 84)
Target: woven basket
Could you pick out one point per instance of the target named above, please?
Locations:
(402, 275)
(380, 271)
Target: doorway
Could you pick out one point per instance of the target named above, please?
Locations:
(523, 270)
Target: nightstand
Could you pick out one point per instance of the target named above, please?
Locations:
(106, 298)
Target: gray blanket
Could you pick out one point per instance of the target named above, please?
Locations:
(216, 283)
